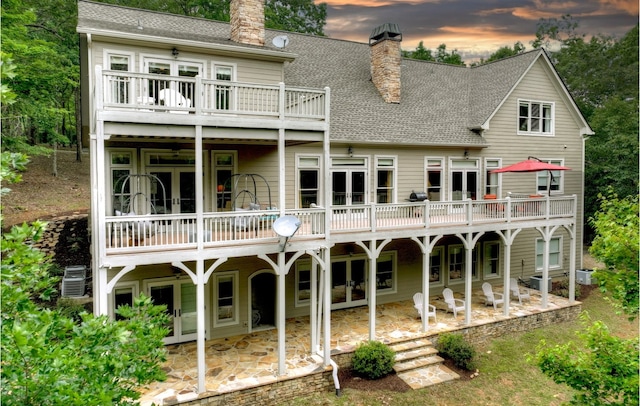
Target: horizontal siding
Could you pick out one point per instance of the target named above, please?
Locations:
(248, 70)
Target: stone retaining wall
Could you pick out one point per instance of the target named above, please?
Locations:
(321, 381)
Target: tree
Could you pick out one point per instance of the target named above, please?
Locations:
(603, 369)
(420, 53)
(617, 246)
(442, 56)
(52, 358)
(451, 58)
(303, 16)
(601, 74)
(505, 52)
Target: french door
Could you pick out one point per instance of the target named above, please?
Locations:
(177, 194)
(464, 179)
(348, 187)
(180, 299)
(348, 283)
(180, 90)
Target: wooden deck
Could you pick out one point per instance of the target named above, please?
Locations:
(127, 234)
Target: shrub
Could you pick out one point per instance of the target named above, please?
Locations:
(454, 347)
(373, 360)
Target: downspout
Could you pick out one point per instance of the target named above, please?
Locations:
(333, 364)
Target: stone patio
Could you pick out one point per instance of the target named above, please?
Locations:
(250, 360)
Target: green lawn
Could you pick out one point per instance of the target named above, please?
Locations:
(506, 378)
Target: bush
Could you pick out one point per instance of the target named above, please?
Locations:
(373, 360)
(454, 347)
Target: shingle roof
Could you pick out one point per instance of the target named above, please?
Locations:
(439, 103)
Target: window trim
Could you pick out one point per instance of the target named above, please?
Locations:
(539, 174)
(394, 176)
(135, 291)
(235, 298)
(131, 166)
(560, 253)
(393, 257)
(461, 279)
(541, 132)
(440, 281)
(214, 177)
(485, 260)
(498, 177)
(106, 54)
(441, 169)
(298, 190)
(303, 265)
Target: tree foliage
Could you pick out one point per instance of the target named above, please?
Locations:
(40, 38)
(617, 246)
(601, 73)
(441, 54)
(503, 52)
(603, 369)
(303, 16)
(48, 357)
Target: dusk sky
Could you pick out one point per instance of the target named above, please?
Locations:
(476, 28)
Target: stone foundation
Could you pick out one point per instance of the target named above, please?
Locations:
(322, 380)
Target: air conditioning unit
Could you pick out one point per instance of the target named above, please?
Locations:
(74, 281)
(583, 276)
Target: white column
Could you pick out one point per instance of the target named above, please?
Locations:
(282, 355)
(372, 291)
(507, 274)
(326, 311)
(545, 268)
(468, 278)
(200, 324)
(572, 266)
(313, 305)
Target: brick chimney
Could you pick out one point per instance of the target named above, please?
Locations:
(385, 61)
(247, 21)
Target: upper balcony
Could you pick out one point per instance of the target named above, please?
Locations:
(134, 97)
(135, 234)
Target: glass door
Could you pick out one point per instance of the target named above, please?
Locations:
(348, 283)
(174, 92)
(180, 299)
(464, 180)
(349, 187)
(180, 188)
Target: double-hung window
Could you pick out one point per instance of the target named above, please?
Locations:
(121, 167)
(226, 298)
(223, 92)
(535, 118)
(308, 181)
(385, 182)
(555, 253)
(491, 259)
(550, 180)
(434, 168)
(118, 83)
(492, 184)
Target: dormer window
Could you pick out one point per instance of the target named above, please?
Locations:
(535, 118)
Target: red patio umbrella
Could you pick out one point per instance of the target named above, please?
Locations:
(532, 164)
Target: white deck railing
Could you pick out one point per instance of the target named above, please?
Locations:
(195, 95)
(134, 233)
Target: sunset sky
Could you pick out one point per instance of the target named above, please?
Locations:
(476, 28)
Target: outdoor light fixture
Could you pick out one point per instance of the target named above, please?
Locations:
(350, 151)
(175, 52)
(466, 154)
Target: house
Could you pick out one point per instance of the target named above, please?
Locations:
(242, 176)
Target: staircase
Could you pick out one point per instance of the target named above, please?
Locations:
(418, 364)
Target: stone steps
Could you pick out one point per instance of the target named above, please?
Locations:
(418, 364)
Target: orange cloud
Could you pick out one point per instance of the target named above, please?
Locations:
(629, 6)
